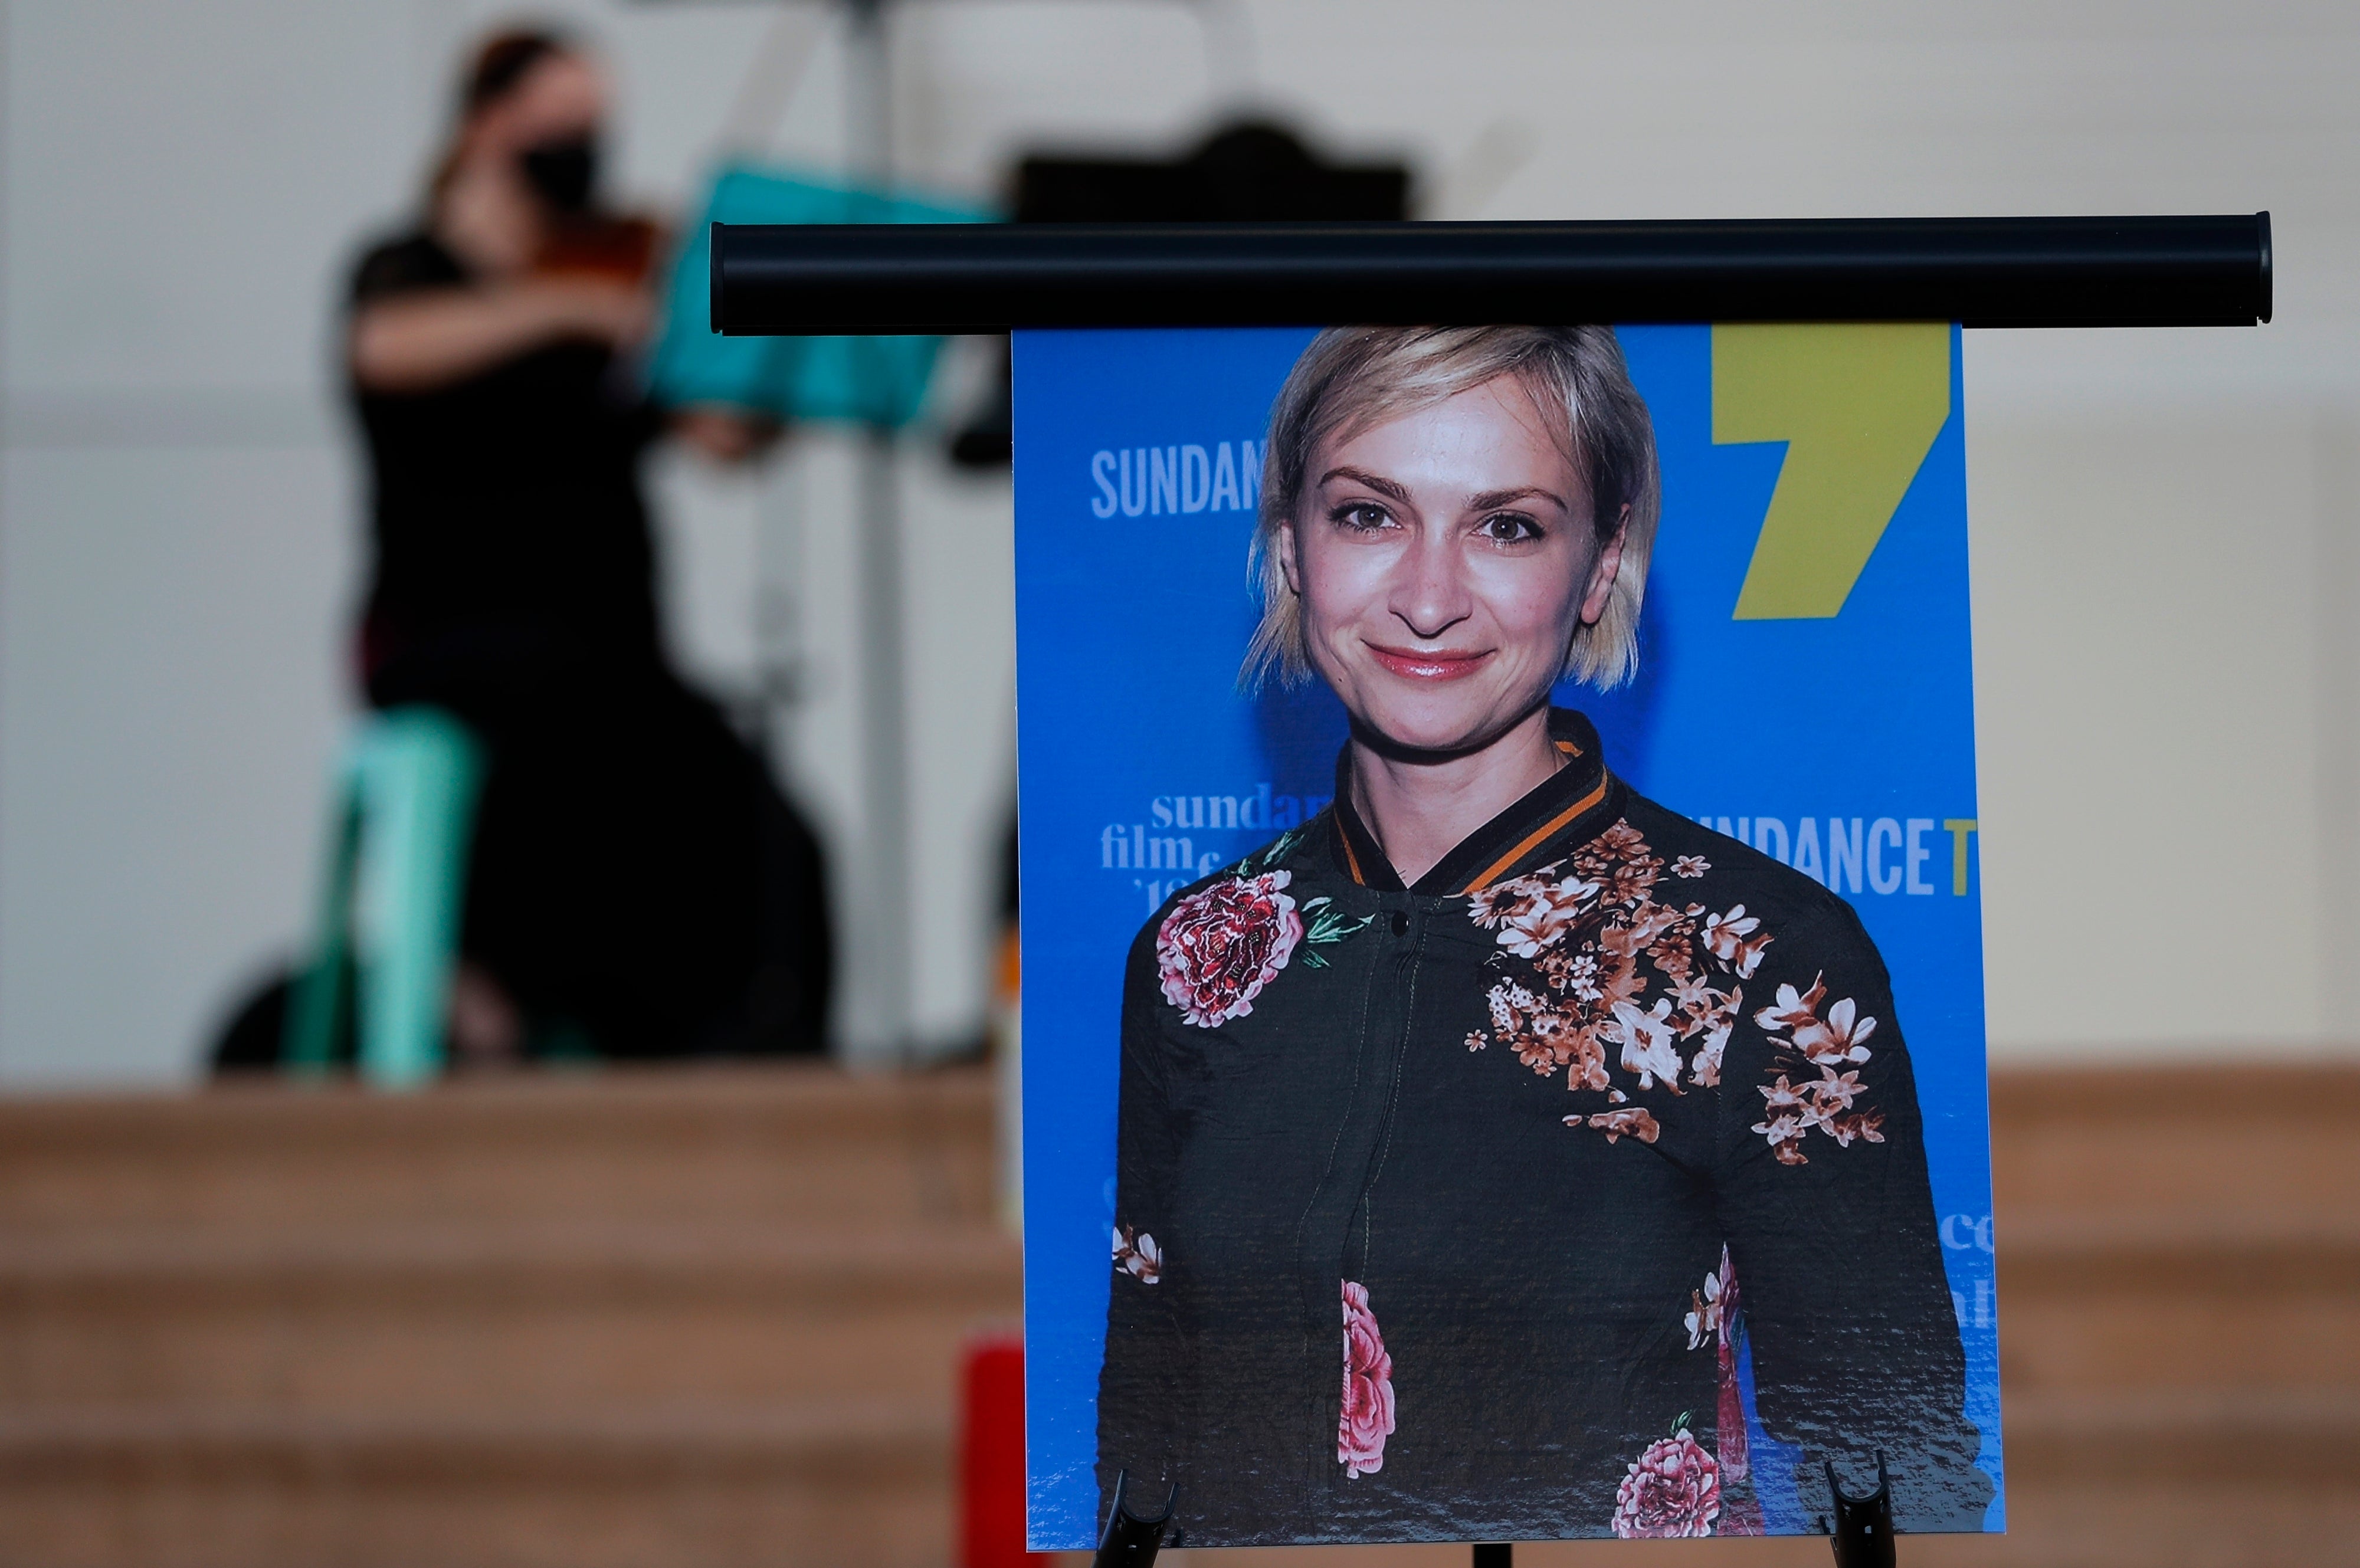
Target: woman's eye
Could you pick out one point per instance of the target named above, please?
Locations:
(1509, 527)
(1365, 516)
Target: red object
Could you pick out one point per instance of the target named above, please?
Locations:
(991, 1456)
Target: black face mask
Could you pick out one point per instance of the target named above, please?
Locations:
(562, 173)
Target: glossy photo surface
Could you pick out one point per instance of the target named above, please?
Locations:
(1600, 1171)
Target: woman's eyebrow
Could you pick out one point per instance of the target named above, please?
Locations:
(1377, 483)
(1490, 498)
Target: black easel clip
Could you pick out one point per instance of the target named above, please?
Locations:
(1862, 1537)
(1131, 1539)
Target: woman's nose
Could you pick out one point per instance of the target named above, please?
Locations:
(1430, 592)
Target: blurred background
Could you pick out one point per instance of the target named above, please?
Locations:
(2165, 572)
(603, 1311)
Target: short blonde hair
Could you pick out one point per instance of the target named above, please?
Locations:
(1353, 377)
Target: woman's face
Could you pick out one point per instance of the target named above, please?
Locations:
(1443, 560)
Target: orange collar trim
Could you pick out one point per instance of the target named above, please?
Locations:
(1351, 861)
(1534, 840)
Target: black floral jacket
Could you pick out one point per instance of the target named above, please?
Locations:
(1442, 1212)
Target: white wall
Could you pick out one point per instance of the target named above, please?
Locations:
(2165, 522)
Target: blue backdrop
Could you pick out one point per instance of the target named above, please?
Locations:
(1137, 455)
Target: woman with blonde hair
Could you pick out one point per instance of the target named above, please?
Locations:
(1473, 1134)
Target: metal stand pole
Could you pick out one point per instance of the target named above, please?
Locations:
(884, 891)
(884, 760)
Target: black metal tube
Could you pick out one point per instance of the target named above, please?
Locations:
(1986, 272)
(1132, 1536)
(1863, 1526)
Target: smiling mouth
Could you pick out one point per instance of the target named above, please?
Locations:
(1443, 665)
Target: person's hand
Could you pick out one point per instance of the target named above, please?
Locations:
(723, 433)
(603, 310)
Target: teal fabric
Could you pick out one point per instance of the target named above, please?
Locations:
(391, 903)
(864, 380)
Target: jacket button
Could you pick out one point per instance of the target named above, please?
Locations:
(1400, 923)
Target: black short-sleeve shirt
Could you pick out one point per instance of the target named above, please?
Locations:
(507, 511)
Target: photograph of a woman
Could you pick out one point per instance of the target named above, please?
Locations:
(1474, 1134)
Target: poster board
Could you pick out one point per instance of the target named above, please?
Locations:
(1802, 697)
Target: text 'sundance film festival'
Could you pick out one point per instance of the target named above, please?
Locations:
(1504, 1027)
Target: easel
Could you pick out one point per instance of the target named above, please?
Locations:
(1862, 1534)
(1979, 272)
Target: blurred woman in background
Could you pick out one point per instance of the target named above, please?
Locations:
(638, 887)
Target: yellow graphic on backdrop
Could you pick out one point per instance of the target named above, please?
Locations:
(1958, 827)
(1858, 405)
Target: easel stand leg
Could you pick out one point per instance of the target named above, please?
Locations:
(1132, 1537)
(1862, 1537)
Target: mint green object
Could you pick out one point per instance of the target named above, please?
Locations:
(875, 381)
(389, 919)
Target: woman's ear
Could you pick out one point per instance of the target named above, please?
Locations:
(1286, 561)
(1603, 571)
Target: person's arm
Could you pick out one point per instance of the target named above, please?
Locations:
(418, 340)
(1143, 1380)
(1829, 1220)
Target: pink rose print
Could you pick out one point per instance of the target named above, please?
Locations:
(1368, 1414)
(1219, 947)
(1673, 1490)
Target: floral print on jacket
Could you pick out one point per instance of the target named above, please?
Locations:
(1545, 1113)
(1601, 976)
(1220, 946)
(1366, 1417)
(1672, 1490)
